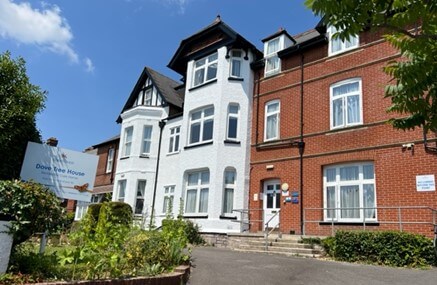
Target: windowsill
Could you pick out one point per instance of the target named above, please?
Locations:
(202, 85)
(346, 129)
(144, 156)
(124, 157)
(272, 73)
(195, 216)
(230, 78)
(332, 54)
(173, 153)
(198, 145)
(225, 217)
(370, 223)
(231, 142)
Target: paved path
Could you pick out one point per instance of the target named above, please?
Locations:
(220, 266)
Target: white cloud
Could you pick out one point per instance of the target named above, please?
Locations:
(180, 4)
(45, 28)
(89, 65)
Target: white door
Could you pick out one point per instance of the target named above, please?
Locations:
(272, 202)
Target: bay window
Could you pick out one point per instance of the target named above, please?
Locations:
(197, 192)
(201, 125)
(205, 69)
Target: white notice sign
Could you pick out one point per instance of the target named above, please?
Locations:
(70, 174)
(425, 183)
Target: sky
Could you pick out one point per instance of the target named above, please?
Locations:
(88, 54)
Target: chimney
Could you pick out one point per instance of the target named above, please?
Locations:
(52, 141)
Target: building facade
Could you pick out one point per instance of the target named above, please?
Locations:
(185, 145)
(323, 156)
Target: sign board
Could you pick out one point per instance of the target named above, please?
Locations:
(69, 174)
(425, 183)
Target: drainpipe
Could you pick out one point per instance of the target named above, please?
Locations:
(301, 143)
(257, 108)
(161, 127)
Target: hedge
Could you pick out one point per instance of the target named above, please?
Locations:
(383, 247)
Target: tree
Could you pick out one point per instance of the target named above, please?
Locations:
(411, 27)
(32, 207)
(20, 101)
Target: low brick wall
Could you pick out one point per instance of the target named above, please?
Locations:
(180, 276)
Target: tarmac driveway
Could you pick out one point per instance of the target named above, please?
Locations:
(221, 266)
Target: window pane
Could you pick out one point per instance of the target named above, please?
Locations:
(272, 63)
(349, 173)
(195, 133)
(191, 201)
(353, 109)
(204, 178)
(141, 188)
(236, 68)
(369, 201)
(199, 76)
(232, 128)
(330, 202)
(146, 147)
(350, 199)
(271, 127)
(352, 87)
(200, 62)
(176, 143)
(228, 202)
(273, 46)
(233, 109)
(337, 112)
(272, 107)
(209, 111)
(207, 130)
(269, 201)
(368, 172)
(353, 41)
(278, 200)
(212, 57)
(196, 115)
(193, 179)
(330, 175)
(139, 206)
(203, 202)
(170, 146)
(165, 206)
(335, 44)
(230, 177)
(212, 71)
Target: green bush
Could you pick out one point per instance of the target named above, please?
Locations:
(33, 207)
(386, 247)
(121, 213)
(189, 229)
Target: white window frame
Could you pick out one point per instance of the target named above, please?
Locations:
(168, 198)
(127, 143)
(335, 215)
(148, 95)
(344, 103)
(343, 44)
(121, 185)
(199, 187)
(231, 187)
(209, 62)
(174, 142)
(81, 209)
(233, 60)
(140, 182)
(204, 118)
(276, 113)
(233, 116)
(110, 160)
(272, 55)
(146, 140)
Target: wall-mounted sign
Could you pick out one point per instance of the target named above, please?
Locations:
(294, 194)
(285, 193)
(70, 174)
(425, 183)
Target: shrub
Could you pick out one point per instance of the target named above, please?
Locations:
(386, 247)
(33, 207)
(190, 230)
(121, 213)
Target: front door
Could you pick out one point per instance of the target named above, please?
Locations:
(272, 202)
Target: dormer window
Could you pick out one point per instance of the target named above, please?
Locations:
(205, 69)
(336, 45)
(271, 56)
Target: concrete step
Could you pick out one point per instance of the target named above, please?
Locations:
(308, 255)
(281, 249)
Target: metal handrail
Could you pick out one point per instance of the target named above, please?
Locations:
(245, 221)
(399, 221)
(266, 229)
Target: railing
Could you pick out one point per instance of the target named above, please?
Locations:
(417, 215)
(267, 232)
(245, 219)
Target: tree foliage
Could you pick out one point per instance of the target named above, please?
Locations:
(32, 207)
(20, 101)
(411, 27)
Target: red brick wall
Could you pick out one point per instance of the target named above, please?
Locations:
(103, 178)
(374, 140)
